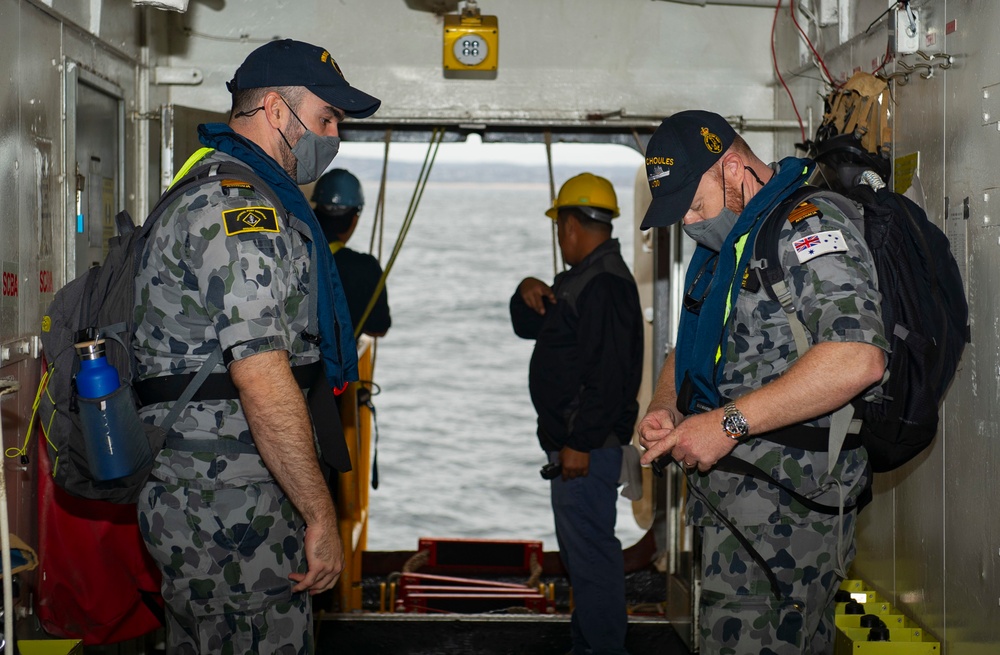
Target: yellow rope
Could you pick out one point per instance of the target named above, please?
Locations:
(42, 388)
(432, 148)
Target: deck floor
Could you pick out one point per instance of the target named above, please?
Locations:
(475, 634)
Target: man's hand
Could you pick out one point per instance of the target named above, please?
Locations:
(575, 464)
(697, 442)
(534, 292)
(656, 425)
(325, 556)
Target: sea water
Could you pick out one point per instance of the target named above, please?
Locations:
(457, 451)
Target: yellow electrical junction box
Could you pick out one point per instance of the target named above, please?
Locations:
(471, 41)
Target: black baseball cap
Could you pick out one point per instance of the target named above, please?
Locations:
(294, 63)
(680, 151)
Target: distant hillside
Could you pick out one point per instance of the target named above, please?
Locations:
(370, 170)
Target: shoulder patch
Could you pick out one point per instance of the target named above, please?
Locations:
(803, 211)
(250, 219)
(235, 184)
(818, 244)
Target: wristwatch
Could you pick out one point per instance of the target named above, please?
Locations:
(734, 424)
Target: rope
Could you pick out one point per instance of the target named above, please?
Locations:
(416, 561)
(22, 452)
(638, 141)
(552, 195)
(379, 223)
(432, 148)
(536, 571)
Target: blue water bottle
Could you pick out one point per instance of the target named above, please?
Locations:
(96, 377)
(115, 440)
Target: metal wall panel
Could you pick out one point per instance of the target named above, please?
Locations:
(34, 187)
(608, 56)
(972, 148)
(29, 145)
(116, 23)
(930, 540)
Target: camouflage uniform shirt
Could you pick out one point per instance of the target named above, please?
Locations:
(207, 280)
(837, 300)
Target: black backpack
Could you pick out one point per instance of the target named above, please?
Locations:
(101, 304)
(924, 311)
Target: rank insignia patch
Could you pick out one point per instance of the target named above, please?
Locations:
(250, 219)
(803, 211)
(235, 184)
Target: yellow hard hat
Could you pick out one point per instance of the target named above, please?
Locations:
(586, 190)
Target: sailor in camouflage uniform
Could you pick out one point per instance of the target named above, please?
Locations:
(736, 385)
(237, 514)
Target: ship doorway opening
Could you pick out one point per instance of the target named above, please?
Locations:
(95, 145)
(458, 456)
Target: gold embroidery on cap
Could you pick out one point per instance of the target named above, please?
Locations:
(333, 62)
(712, 142)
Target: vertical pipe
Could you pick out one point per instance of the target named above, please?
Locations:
(141, 119)
(9, 386)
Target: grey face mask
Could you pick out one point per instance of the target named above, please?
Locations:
(712, 232)
(313, 153)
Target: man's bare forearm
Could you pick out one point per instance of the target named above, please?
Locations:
(282, 430)
(665, 393)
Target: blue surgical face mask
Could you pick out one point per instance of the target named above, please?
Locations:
(313, 153)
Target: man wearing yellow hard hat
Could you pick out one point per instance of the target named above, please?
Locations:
(584, 378)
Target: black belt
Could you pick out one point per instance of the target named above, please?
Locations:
(217, 386)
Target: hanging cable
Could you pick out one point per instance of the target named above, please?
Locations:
(379, 223)
(6, 387)
(819, 60)
(638, 141)
(432, 149)
(552, 195)
(379, 226)
(777, 71)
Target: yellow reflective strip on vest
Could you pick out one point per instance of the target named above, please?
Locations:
(199, 154)
(738, 253)
(335, 246)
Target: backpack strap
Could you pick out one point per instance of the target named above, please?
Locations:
(206, 368)
(743, 467)
(184, 182)
(766, 264)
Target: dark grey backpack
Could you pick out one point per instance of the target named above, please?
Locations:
(101, 304)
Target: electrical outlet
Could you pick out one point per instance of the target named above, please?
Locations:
(907, 30)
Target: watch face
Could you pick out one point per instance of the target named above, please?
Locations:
(734, 424)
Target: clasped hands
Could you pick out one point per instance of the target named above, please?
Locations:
(696, 441)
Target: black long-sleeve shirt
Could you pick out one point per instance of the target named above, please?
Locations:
(360, 273)
(587, 364)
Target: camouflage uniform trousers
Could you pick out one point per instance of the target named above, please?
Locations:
(740, 615)
(225, 555)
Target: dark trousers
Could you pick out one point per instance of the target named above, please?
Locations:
(585, 512)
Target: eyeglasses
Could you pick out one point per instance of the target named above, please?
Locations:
(696, 293)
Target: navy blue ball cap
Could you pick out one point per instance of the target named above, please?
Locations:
(681, 150)
(294, 63)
